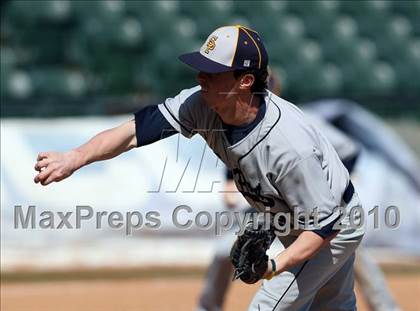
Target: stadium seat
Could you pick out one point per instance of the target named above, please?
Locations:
(303, 66)
(359, 53)
(168, 51)
(288, 34)
(244, 7)
(408, 67)
(7, 28)
(336, 47)
(319, 81)
(8, 58)
(341, 38)
(30, 12)
(395, 35)
(378, 78)
(156, 17)
(58, 82)
(17, 84)
(357, 63)
(184, 31)
(108, 10)
(156, 75)
(94, 36)
(371, 16)
(146, 73)
(222, 9)
(413, 51)
(297, 74)
(330, 80)
(275, 7)
(382, 79)
(366, 8)
(107, 24)
(153, 8)
(318, 15)
(43, 45)
(308, 54)
(217, 13)
(320, 8)
(410, 9)
(407, 7)
(127, 33)
(265, 15)
(264, 9)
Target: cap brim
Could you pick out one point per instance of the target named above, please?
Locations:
(201, 63)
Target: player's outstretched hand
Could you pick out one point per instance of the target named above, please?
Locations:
(55, 166)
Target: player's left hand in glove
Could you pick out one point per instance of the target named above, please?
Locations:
(248, 253)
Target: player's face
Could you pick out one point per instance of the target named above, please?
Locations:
(218, 89)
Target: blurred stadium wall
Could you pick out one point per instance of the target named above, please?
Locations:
(66, 58)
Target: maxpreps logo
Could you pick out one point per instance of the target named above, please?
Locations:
(211, 44)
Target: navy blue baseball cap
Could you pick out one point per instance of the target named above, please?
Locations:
(229, 48)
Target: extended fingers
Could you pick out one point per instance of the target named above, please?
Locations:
(41, 164)
(45, 169)
(43, 175)
(51, 167)
(43, 155)
(56, 176)
(52, 177)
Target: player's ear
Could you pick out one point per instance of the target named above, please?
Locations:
(246, 82)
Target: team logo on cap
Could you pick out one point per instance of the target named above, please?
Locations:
(211, 44)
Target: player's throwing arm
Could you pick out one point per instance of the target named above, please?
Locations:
(56, 166)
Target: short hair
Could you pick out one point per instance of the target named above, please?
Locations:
(260, 75)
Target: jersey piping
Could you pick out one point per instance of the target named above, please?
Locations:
(266, 134)
(177, 121)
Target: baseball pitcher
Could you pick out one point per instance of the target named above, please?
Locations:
(281, 163)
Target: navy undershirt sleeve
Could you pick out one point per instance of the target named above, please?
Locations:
(327, 230)
(151, 126)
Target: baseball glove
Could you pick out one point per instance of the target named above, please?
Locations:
(248, 253)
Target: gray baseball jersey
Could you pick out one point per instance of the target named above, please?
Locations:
(285, 163)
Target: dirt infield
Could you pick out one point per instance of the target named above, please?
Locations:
(152, 294)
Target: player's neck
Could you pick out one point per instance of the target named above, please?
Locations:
(242, 111)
